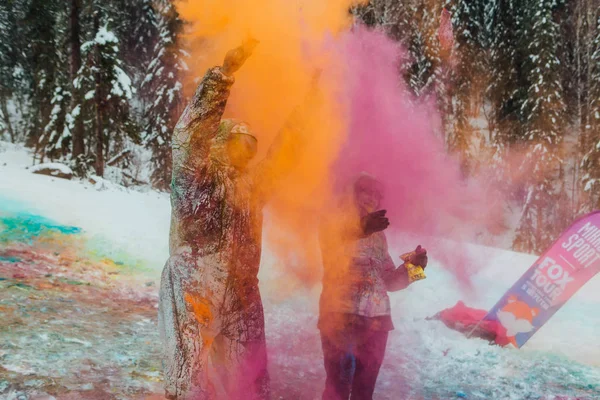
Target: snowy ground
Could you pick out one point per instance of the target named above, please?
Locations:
(79, 269)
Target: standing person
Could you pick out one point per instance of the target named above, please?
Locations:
(354, 315)
(210, 306)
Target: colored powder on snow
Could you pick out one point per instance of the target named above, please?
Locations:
(17, 224)
(9, 259)
(103, 250)
(23, 227)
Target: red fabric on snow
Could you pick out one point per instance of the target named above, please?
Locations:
(464, 319)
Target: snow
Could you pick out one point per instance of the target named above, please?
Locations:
(105, 36)
(54, 166)
(55, 110)
(122, 84)
(100, 213)
(424, 358)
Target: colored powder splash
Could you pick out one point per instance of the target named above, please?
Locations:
(367, 121)
(293, 44)
(392, 137)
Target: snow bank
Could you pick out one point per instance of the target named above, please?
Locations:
(52, 166)
(130, 220)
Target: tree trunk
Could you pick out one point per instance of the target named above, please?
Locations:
(75, 42)
(4, 109)
(99, 141)
(99, 105)
(579, 82)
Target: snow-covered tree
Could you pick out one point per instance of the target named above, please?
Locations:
(107, 91)
(412, 23)
(428, 74)
(55, 141)
(7, 65)
(590, 164)
(138, 31)
(15, 87)
(506, 88)
(162, 90)
(467, 78)
(542, 217)
(74, 119)
(42, 63)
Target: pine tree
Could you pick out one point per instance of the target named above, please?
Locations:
(505, 90)
(421, 68)
(138, 32)
(41, 64)
(438, 78)
(55, 140)
(17, 83)
(467, 79)
(413, 24)
(74, 119)
(107, 91)
(545, 109)
(590, 164)
(429, 74)
(7, 65)
(163, 88)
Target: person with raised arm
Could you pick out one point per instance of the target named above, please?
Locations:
(210, 307)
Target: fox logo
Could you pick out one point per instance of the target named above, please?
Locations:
(517, 317)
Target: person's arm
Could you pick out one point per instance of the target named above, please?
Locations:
(394, 278)
(285, 151)
(397, 278)
(346, 224)
(199, 122)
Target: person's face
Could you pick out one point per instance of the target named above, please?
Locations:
(369, 197)
(241, 149)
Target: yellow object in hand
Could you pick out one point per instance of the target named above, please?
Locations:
(415, 272)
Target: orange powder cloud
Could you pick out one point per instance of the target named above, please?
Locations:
(269, 86)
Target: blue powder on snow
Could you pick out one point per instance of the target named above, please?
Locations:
(17, 224)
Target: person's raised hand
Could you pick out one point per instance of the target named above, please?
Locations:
(235, 58)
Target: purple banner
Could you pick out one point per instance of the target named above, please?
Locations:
(552, 280)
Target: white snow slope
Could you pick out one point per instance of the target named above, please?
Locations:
(424, 360)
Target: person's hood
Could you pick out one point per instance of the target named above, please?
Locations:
(365, 180)
(218, 150)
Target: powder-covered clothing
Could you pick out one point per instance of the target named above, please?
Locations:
(210, 305)
(358, 270)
